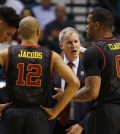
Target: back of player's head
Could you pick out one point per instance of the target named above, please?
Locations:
(103, 16)
(8, 14)
(28, 27)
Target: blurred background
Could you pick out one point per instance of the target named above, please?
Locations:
(54, 15)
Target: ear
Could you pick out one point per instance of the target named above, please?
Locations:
(61, 46)
(97, 25)
(38, 32)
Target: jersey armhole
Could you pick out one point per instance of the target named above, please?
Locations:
(104, 62)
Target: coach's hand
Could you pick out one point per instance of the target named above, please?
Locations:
(75, 129)
(59, 93)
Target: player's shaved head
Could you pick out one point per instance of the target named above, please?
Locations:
(103, 16)
(28, 27)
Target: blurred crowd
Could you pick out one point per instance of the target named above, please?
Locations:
(53, 18)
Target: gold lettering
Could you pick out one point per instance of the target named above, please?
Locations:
(114, 46)
(24, 54)
(118, 45)
(32, 55)
(20, 55)
(28, 54)
(36, 54)
(110, 46)
(40, 55)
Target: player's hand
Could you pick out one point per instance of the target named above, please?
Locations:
(49, 112)
(3, 107)
(59, 93)
(75, 129)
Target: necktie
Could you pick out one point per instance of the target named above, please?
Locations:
(64, 115)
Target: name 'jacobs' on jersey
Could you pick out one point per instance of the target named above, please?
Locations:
(25, 54)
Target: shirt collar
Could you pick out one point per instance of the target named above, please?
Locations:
(75, 62)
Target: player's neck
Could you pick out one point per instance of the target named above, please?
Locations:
(29, 43)
(104, 35)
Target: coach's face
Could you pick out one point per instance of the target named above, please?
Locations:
(71, 46)
(6, 31)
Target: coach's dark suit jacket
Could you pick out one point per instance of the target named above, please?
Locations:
(80, 109)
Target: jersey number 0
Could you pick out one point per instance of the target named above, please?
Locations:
(117, 60)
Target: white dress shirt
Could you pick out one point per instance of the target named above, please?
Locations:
(75, 68)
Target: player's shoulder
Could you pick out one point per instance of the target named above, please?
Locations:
(92, 49)
(92, 52)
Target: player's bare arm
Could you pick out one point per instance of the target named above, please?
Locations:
(73, 83)
(4, 57)
(90, 91)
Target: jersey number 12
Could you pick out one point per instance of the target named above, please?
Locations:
(34, 71)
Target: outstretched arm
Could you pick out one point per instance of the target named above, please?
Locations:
(4, 58)
(3, 63)
(90, 91)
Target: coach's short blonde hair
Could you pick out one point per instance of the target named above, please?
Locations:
(66, 30)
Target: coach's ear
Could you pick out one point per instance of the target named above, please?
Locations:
(61, 46)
